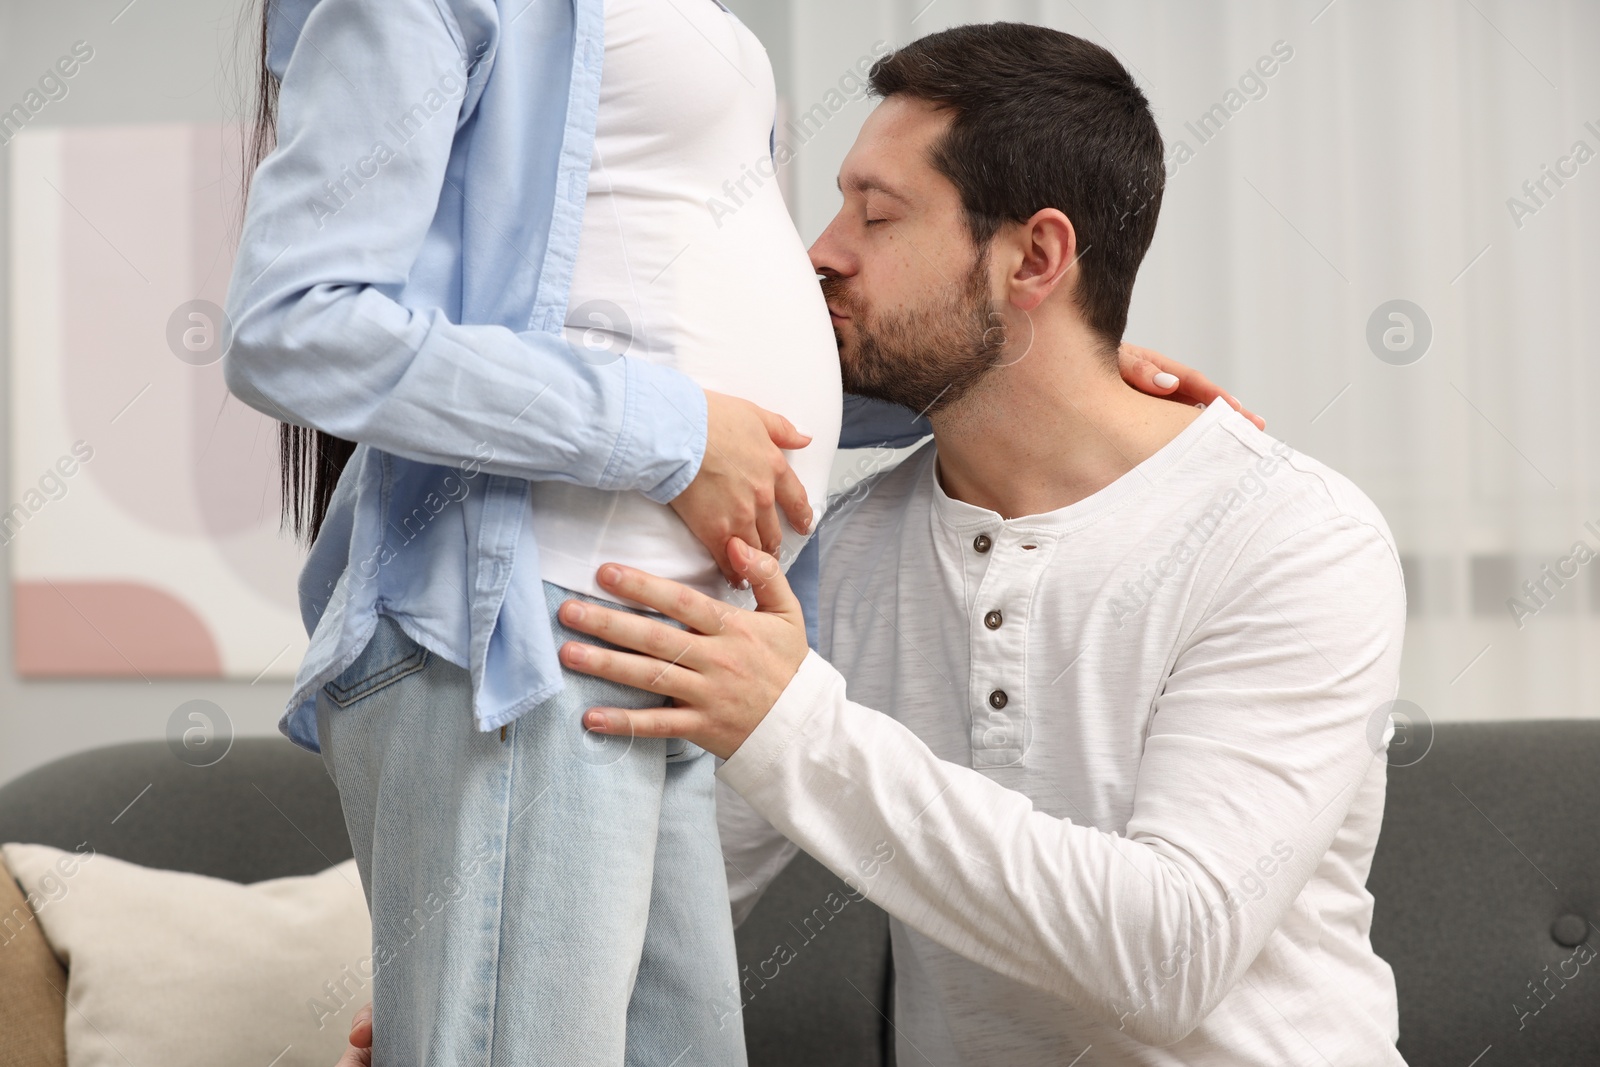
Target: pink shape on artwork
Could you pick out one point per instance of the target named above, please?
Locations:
(183, 457)
(108, 630)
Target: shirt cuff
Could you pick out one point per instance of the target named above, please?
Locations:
(663, 439)
(751, 763)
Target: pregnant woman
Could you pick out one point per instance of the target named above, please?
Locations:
(481, 286)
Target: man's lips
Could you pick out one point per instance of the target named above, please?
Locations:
(837, 314)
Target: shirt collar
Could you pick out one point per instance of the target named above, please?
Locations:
(964, 517)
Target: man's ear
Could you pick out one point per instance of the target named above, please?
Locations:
(1048, 255)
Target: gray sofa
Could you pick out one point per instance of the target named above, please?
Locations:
(1485, 878)
(269, 810)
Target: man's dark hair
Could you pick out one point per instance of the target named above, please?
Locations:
(1043, 119)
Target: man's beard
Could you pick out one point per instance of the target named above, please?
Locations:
(922, 358)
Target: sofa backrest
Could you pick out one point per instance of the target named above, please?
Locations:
(265, 810)
(1486, 881)
(1487, 890)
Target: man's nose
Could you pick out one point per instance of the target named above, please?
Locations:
(828, 255)
(819, 254)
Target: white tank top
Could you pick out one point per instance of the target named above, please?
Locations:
(686, 235)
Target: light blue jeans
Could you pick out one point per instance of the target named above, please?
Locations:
(554, 898)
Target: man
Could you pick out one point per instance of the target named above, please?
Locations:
(1129, 661)
(1117, 669)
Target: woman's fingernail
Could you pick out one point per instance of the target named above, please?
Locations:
(610, 575)
(594, 720)
(574, 611)
(1164, 380)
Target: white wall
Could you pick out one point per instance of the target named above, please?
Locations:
(154, 60)
(1377, 165)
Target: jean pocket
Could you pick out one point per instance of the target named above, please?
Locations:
(390, 655)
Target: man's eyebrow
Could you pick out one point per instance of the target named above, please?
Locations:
(864, 184)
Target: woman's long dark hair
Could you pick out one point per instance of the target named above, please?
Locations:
(309, 461)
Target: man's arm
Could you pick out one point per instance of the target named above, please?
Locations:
(1255, 752)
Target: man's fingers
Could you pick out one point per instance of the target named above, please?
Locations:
(652, 722)
(674, 600)
(630, 631)
(765, 577)
(626, 668)
(752, 532)
(719, 555)
(792, 499)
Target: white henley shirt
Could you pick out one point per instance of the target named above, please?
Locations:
(1115, 772)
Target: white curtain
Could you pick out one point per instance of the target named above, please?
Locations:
(1383, 159)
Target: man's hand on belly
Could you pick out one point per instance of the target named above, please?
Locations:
(723, 676)
(744, 478)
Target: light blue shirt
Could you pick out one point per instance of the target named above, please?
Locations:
(402, 282)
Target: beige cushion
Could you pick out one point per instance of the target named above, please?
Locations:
(170, 968)
(31, 985)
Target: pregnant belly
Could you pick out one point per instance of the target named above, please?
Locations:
(740, 312)
(755, 325)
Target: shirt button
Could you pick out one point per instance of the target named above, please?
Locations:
(997, 699)
(981, 543)
(993, 620)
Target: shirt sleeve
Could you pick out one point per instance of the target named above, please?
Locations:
(337, 216)
(1256, 748)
